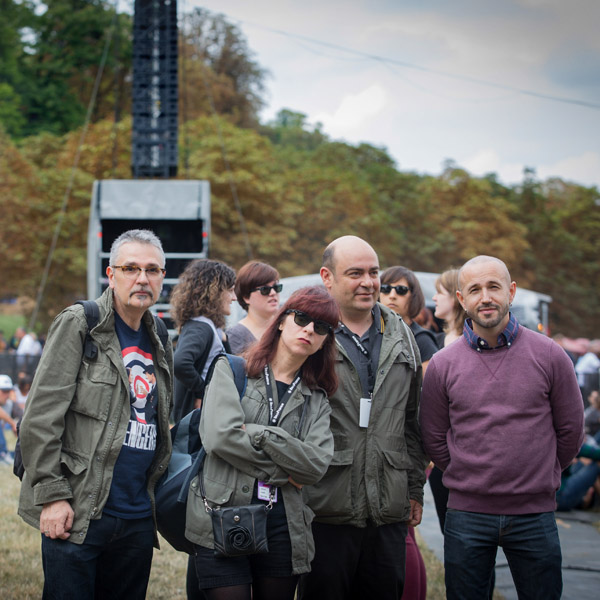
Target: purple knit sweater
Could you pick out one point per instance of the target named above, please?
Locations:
(502, 424)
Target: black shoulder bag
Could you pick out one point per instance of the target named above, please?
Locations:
(240, 530)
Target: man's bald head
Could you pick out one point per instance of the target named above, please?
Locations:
(340, 246)
(479, 260)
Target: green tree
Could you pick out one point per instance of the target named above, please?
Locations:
(50, 59)
(217, 69)
(563, 231)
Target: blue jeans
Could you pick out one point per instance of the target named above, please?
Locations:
(113, 562)
(575, 486)
(530, 543)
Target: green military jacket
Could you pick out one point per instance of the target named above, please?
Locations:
(376, 470)
(77, 414)
(300, 446)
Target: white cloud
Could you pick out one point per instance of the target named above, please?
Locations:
(488, 161)
(411, 106)
(582, 169)
(354, 111)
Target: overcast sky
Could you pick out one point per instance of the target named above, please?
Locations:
(493, 85)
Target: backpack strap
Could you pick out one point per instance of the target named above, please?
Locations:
(238, 366)
(92, 316)
(161, 329)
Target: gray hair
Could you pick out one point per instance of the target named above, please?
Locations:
(141, 236)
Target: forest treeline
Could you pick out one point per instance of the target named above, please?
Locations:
(297, 188)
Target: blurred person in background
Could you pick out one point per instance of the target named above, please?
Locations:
(447, 306)
(592, 415)
(6, 393)
(200, 302)
(588, 369)
(257, 290)
(21, 392)
(401, 292)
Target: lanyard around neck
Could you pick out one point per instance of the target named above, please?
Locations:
(275, 415)
(365, 352)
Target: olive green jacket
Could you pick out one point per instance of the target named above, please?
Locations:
(77, 414)
(241, 448)
(375, 470)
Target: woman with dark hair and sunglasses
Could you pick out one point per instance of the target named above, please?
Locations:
(257, 290)
(200, 302)
(400, 291)
(272, 442)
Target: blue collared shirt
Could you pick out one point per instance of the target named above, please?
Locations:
(506, 338)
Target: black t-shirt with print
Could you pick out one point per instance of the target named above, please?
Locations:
(128, 496)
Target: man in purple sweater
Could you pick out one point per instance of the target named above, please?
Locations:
(502, 416)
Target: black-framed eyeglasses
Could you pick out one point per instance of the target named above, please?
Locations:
(265, 290)
(302, 320)
(133, 271)
(401, 290)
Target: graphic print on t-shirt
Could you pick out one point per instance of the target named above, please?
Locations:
(142, 393)
(128, 497)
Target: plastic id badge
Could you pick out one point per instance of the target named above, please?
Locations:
(264, 492)
(365, 411)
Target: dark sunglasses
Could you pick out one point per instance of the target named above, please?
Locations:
(401, 290)
(265, 290)
(302, 320)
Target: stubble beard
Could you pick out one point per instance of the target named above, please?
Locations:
(490, 324)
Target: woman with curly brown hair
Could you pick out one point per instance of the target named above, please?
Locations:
(201, 300)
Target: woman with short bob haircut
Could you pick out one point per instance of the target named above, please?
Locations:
(273, 441)
(257, 290)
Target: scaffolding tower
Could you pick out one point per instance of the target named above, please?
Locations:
(154, 106)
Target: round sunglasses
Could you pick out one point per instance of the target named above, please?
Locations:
(302, 320)
(401, 290)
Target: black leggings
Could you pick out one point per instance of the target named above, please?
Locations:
(263, 588)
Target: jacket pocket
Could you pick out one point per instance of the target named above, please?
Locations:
(394, 467)
(308, 515)
(73, 463)
(333, 496)
(94, 389)
(74, 467)
(217, 493)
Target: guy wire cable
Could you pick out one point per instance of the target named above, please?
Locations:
(63, 210)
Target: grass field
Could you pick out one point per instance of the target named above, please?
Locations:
(20, 556)
(9, 324)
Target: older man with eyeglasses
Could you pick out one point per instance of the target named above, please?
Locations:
(95, 434)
